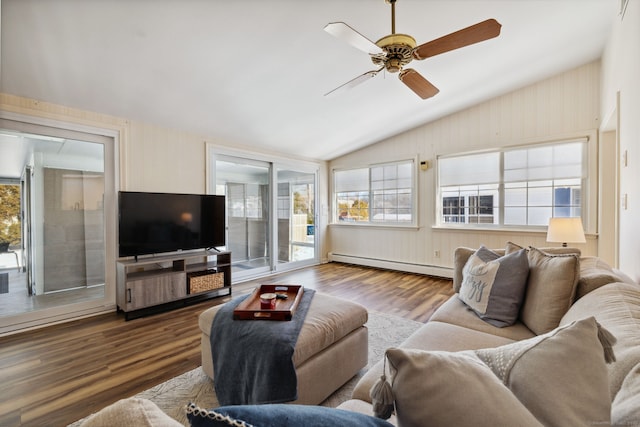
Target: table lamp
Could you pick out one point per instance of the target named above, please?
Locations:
(565, 230)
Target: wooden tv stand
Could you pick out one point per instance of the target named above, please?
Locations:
(158, 283)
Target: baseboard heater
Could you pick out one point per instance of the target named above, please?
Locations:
(431, 270)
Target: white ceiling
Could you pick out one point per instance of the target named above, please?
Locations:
(253, 72)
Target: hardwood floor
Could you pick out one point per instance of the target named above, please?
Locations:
(57, 375)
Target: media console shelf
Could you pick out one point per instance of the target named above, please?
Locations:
(158, 283)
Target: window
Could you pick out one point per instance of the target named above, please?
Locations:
(468, 208)
(376, 194)
(469, 205)
(523, 186)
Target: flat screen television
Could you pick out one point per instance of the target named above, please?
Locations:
(153, 223)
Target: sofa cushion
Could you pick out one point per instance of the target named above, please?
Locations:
(279, 415)
(594, 273)
(493, 286)
(553, 250)
(455, 312)
(512, 247)
(616, 306)
(440, 389)
(462, 254)
(434, 336)
(131, 412)
(559, 377)
(543, 371)
(625, 409)
(460, 257)
(550, 291)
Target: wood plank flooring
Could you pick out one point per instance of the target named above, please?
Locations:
(57, 375)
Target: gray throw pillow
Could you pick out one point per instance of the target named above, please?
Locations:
(551, 288)
(494, 286)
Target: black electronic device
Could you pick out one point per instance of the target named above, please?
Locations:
(154, 223)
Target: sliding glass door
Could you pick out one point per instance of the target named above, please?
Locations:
(296, 216)
(271, 214)
(59, 238)
(246, 185)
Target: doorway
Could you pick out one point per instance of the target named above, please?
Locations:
(296, 216)
(59, 180)
(246, 186)
(271, 214)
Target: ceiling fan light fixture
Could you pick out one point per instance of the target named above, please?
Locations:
(394, 51)
(397, 39)
(393, 65)
(398, 50)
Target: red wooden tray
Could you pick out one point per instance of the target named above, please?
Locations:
(250, 309)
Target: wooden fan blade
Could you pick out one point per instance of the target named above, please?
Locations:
(354, 82)
(414, 81)
(354, 38)
(479, 32)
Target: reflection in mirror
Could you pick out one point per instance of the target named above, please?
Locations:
(51, 222)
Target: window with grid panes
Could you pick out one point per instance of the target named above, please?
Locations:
(523, 186)
(381, 193)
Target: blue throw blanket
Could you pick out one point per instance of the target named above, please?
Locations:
(253, 359)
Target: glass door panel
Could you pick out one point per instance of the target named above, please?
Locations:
(73, 245)
(245, 183)
(61, 240)
(296, 216)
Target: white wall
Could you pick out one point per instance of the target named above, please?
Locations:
(168, 160)
(621, 78)
(563, 106)
(567, 105)
(155, 158)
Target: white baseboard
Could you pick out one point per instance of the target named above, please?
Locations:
(431, 270)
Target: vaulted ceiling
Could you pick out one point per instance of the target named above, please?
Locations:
(254, 72)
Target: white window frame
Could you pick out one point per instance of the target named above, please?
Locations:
(369, 192)
(588, 185)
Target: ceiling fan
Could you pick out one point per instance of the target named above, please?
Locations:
(394, 51)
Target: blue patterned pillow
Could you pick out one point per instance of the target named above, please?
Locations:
(279, 415)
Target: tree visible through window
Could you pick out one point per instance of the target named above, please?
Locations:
(10, 229)
(376, 194)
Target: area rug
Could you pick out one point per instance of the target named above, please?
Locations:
(172, 396)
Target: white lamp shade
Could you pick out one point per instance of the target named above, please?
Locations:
(565, 230)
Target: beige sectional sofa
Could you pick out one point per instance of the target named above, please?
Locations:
(576, 288)
(546, 369)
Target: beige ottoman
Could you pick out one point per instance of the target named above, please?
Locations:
(331, 349)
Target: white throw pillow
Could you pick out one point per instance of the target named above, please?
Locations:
(131, 412)
(556, 379)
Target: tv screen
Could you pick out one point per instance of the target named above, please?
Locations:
(151, 223)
